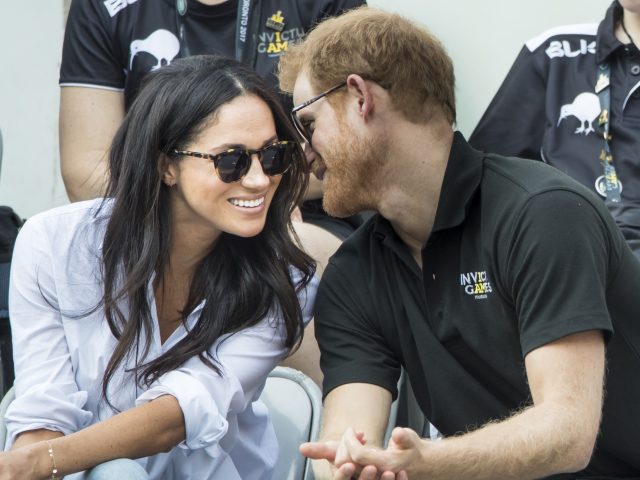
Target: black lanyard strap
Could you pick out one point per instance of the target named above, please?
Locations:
(603, 89)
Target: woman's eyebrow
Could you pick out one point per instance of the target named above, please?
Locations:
(229, 146)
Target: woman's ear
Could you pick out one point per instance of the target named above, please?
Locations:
(168, 171)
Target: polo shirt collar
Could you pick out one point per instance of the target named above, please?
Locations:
(606, 41)
(461, 180)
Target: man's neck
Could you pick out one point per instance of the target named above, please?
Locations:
(411, 194)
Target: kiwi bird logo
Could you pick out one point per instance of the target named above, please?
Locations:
(586, 108)
(162, 44)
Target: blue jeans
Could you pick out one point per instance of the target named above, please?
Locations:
(121, 469)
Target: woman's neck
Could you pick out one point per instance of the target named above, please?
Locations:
(628, 31)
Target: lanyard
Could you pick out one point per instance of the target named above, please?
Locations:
(246, 24)
(603, 89)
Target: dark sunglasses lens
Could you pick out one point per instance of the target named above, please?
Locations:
(232, 166)
(276, 159)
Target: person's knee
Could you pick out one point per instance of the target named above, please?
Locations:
(121, 468)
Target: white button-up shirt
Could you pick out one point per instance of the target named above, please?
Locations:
(60, 356)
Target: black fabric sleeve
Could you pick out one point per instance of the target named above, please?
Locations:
(89, 51)
(352, 346)
(557, 267)
(514, 122)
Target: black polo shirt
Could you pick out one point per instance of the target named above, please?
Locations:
(520, 255)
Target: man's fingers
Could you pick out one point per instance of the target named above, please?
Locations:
(319, 450)
(345, 472)
(404, 437)
(368, 473)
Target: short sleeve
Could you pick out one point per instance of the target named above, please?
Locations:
(89, 52)
(352, 346)
(559, 261)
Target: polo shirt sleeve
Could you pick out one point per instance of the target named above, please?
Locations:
(561, 255)
(207, 399)
(89, 53)
(352, 346)
(47, 396)
(514, 121)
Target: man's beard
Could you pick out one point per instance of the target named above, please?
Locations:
(354, 176)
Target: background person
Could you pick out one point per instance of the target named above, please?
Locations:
(496, 282)
(550, 106)
(113, 360)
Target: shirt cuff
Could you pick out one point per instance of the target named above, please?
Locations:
(48, 407)
(204, 424)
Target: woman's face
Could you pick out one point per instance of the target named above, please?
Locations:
(204, 205)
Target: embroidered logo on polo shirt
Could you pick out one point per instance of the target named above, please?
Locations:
(476, 284)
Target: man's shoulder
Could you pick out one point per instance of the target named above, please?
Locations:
(512, 187)
(525, 178)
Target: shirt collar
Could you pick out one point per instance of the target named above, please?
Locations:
(606, 41)
(461, 180)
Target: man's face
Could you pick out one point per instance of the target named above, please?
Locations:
(344, 155)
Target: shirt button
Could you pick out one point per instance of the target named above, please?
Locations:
(635, 70)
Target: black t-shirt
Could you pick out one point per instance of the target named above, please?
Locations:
(114, 43)
(520, 255)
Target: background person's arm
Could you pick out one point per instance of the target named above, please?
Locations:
(89, 118)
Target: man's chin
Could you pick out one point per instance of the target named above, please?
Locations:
(339, 205)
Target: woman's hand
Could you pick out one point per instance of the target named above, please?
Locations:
(30, 462)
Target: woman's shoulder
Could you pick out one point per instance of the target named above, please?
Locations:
(61, 225)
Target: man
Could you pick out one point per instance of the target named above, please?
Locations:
(549, 107)
(499, 284)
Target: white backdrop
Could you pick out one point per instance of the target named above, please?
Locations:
(482, 37)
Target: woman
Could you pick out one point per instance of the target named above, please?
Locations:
(145, 324)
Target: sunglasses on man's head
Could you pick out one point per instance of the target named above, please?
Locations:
(233, 164)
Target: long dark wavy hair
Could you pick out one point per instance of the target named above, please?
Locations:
(241, 279)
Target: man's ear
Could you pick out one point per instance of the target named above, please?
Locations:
(358, 87)
(168, 171)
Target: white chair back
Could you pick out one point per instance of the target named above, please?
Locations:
(295, 405)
